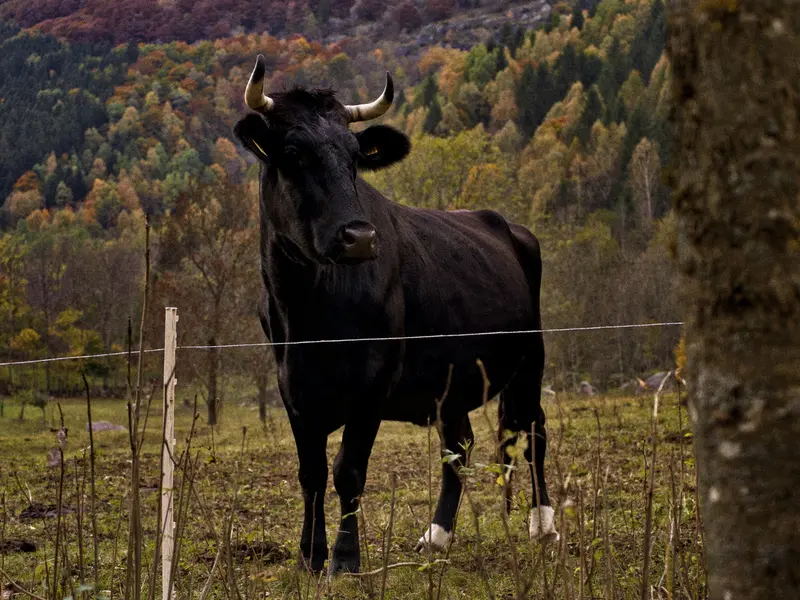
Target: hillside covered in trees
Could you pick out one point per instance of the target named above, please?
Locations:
(561, 127)
(182, 20)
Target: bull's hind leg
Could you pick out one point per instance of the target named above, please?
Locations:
(457, 439)
(349, 477)
(521, 411)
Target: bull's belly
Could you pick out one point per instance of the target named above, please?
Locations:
(424, 380)
(325, 385)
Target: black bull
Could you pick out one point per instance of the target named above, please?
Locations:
(339, 260)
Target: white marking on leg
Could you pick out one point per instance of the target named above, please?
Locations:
(437, 537)
(543, 529)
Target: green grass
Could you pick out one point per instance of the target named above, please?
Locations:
(268, 513)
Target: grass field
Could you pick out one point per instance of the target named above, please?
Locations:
(596, 469)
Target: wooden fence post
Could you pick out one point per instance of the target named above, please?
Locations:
(167, 466)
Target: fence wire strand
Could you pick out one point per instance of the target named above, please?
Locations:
(435, 336)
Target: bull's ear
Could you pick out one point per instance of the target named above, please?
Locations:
(381, 146)
(253, 133)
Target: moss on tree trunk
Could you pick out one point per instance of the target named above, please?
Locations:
(736, 94)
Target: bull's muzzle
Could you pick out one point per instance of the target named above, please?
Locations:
(358, 241)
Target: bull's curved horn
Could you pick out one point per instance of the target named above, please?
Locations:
(374, 109)
(254, 95)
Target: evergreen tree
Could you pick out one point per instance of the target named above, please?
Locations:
(518, 40)
(648, 45)
(637, 126)
(553, 22)
(433, 117)
(613, 73)
(567, 70)
(617, 113)
(500, 62)
(132, 52)
(577, 17)
(526, 90)
(590, 67)
(506, 34)
(592, 111)
(536, 94)
(427, 93)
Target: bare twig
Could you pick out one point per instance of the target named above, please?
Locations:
(555, 455)
(513, 559)
(363, 528)
(479, 553)
(394, 566)
(648, 520)
(62, 438)
(92, 480)
(582, 542)
(538, 509)
(210, 580)
(388, 541)
(18, 587)
(674, 532)
(79, 493)
(229, 527)
(610, 587)
(458, 472)
(134, 578)
(430, 513)
(26, 491)
(3, 537)
(595, 493)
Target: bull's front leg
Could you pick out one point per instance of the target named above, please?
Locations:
(457, 438)
(349, 477)
(313, 475)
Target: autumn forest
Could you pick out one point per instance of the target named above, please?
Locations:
(117, 114)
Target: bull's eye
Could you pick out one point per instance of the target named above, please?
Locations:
(371, 151)
(293, 157)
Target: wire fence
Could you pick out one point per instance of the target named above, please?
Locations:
(436, 336)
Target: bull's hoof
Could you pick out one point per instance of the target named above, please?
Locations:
(437, 538)
(542, 525)
(344, 564)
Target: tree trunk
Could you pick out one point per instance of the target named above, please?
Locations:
(213, 369)
(736, 93)
(213, 405)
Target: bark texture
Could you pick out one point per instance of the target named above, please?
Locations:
(736, 95)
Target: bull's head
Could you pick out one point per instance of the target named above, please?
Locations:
(310, 164)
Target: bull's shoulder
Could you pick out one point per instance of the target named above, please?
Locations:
(525, 239)
(492, 219)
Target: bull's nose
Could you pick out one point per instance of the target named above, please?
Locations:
(358, 240)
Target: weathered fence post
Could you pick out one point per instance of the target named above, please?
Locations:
(167, 466)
